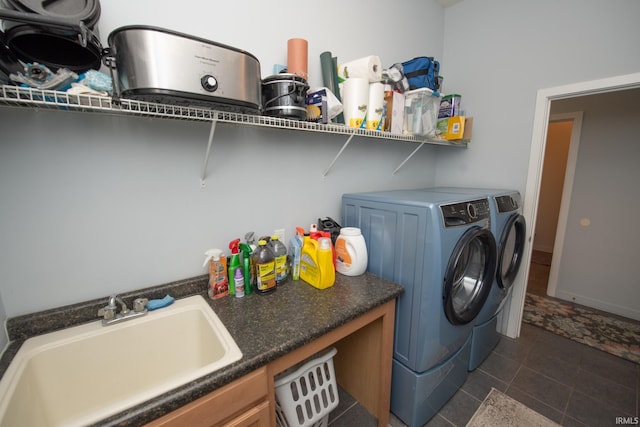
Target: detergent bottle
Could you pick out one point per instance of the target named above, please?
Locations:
(316, 262)
(234, 263)
(351, 251)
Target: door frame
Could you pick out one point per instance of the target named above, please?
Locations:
(511, 317)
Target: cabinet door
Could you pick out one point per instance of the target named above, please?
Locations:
(228, 404)
(257, 416)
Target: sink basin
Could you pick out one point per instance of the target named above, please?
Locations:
(86, 373)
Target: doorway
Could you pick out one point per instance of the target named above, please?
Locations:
(510, 321)
(558, 169)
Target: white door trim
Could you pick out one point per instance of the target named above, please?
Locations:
(511, 317)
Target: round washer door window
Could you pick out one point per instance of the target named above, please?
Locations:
(511, 250)
(469, 275)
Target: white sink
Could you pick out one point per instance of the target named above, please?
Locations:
(86, 373)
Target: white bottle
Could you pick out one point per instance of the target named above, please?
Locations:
(351, 252)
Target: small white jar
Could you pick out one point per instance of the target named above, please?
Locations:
(351, 252)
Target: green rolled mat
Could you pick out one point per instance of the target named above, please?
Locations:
(329, 65)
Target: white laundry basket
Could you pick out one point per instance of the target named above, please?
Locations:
(307, 393)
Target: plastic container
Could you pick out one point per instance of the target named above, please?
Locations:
(264, 262)
(238, 283)
(316, 263)
(351, 252)
(307, 392)
(421, 108)
(280, 257)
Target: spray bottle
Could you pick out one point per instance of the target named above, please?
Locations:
(251, 242)
(247, 263)
(234, 263)
(218, 283)
(296, 249)
(280, 257)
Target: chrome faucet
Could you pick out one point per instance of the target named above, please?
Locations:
(109, 313)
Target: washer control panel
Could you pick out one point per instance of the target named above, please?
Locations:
(463, 213)
(508, 202)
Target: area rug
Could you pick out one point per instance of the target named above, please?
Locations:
(499, 410)
(606, 333)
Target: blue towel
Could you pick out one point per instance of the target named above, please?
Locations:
(160, 303)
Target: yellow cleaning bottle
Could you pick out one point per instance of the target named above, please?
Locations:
(316, 263)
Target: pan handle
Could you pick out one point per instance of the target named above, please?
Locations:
(36, 19)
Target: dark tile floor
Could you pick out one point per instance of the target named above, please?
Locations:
(568, 382)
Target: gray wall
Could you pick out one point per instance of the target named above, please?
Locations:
(499, 53)
(95, 204)
(599, 260)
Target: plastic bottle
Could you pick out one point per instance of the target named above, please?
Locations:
(265, 268)
(316, 262)
(234, 263)
(280, 257)
(296, 249)
(246, 252)
(238, 283)
(250, 280)
(218, 284)
(351, 252)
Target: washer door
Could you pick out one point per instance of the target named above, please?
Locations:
(511, 250)
(469, 275)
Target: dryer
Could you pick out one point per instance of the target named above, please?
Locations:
(440, 248)
(509, 228)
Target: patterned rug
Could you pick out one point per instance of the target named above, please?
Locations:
(580, 324)
(499, 410)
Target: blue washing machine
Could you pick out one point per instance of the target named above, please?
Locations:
(440, 248)
(509, 229)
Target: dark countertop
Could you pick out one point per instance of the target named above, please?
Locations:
(265, 327)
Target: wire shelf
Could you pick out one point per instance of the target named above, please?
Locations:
(50, 99)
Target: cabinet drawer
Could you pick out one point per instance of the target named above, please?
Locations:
(258, 416)
(222, 405)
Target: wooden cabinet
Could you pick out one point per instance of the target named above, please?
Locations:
(243, 403)
(362, 367)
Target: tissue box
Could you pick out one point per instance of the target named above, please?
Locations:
(421, 108)
(449, 106)
(394, 111)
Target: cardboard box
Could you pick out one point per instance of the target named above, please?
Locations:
(394, 112)
(456, 128)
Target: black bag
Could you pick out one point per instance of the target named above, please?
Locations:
(422, 72)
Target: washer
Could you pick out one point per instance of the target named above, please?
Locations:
(440, 248)
(510, 230)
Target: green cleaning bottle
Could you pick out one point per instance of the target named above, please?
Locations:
(247, 263)
(234, 263)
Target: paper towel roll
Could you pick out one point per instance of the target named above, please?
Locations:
(297, 57)
(375, 107)
(368, 67)
(355, 97)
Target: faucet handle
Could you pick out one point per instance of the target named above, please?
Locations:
(108, 312)
(139, 304)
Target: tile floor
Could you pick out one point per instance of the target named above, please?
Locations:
(568, 382)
